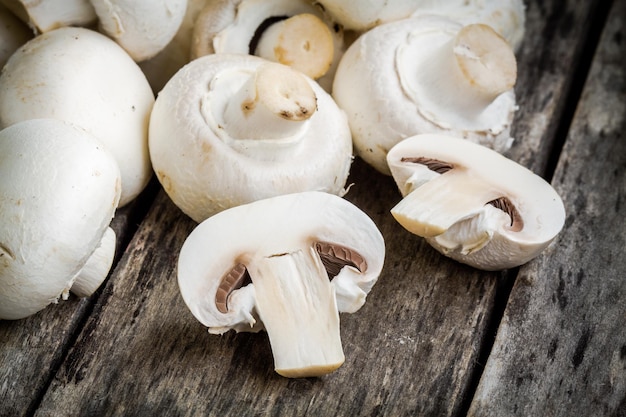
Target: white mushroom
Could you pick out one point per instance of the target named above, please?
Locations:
(43, 16)
(59, 189)
(142, 27)
(507, 17)
(292, 32)
(473, 204)
(231, 129)
(286, 264)
(426, 75)
(13, 34)
(81, 76)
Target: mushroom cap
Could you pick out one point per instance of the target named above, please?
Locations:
(472, 203)
(204, 174)
(269, 227)
(85, 78)
(234, 26)
(60, 188)
(381, 82)
(142, 27)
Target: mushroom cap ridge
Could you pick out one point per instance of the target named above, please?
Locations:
(273, 226)
(203, 175)
(59, 189)
(489, 175)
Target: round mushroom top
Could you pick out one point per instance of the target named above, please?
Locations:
(83, 77)
(215, 143)
(60, 188)
(411, 76)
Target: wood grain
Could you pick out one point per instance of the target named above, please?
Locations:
(561, 348)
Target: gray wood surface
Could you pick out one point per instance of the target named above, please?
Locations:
(418, 345)
(561, 347)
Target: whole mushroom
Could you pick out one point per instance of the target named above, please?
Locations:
(231, 129)
(83, 77)
(286, 264)
(473, 204)
(426, 74)
(142, 27)
(60, 189)
(291, 32)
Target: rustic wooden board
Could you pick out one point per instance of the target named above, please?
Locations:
(414, 348)
(32, 349)
(561, 348)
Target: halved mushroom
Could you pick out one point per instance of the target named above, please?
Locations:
(230, 129)
(83, 77)
(60, 189)
(473, 204)
(292, 32)
(426, 74)
(142, 27)
(286, 264)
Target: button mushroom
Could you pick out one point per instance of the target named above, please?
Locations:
(85, 78)
(59, 190)
(292, 32)
(426, 74)
(230, 129)
(142, 27)
(473, 204)
(286, 264)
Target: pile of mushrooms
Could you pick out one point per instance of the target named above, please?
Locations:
(261, 107)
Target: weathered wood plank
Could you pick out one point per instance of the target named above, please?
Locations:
(31, 349)
(561, 349)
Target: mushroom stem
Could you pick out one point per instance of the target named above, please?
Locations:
(272, 104)
(469, 72)
(297, 305)
(304, 42)
(97, 267)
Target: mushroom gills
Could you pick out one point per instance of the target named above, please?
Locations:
(334, 257)
(258, 33)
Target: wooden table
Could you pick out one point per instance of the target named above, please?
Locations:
(435, 337)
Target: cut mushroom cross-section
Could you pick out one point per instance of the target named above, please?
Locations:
(287, 264)
(473, 204)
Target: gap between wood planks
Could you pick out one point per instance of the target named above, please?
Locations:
(574, 90)
(137, 210)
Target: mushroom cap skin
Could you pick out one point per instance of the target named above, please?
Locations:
(287, 244)
(507, 17)
(85, 78)
(204, 169)
(142, 27)
(237, 26)
(408, 77)
(471, 203)
(44, 16)
(59, 188)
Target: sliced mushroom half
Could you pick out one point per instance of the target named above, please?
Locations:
(286, 264)
(473, 204)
